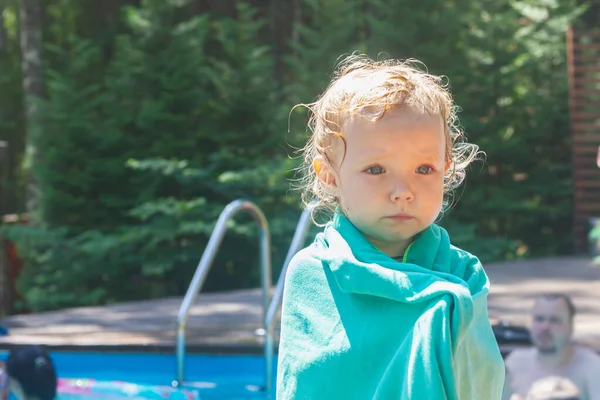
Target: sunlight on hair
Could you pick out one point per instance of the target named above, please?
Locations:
(367, 88)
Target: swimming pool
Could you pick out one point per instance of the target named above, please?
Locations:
(211, 377)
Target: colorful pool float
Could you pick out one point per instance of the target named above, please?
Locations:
(92, 389)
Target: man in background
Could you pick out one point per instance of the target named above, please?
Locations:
(28, 374)
(553, 353)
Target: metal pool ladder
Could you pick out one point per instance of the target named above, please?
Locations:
(269, 310)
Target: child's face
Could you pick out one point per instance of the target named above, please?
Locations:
(390, 182)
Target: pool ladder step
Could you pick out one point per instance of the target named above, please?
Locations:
(269, 306)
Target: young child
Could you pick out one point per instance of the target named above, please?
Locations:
(30, 374)
(381, 305)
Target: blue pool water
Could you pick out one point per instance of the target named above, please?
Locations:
(211, 377)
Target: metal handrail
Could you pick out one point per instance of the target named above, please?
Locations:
(203, 268)
(302, 229)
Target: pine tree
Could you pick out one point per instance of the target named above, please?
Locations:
(139, 165)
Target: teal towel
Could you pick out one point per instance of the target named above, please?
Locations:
(357, 324)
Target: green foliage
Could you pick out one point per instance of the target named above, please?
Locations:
(154, 123)
(11, 112)
(594, 240)
(505, 61)
(516, 51)
(58, 270)
(197, 90)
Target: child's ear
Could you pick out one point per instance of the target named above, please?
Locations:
(324, 173)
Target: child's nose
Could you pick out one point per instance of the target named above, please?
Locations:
(402, 192)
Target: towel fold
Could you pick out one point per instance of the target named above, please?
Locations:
(357, 324)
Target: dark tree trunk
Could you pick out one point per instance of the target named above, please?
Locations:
(30, 16)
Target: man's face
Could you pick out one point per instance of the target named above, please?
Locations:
(551, 325)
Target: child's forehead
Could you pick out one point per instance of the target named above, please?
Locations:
(415, 134)
(392, 122)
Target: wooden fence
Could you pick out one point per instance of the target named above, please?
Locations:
(583, 60)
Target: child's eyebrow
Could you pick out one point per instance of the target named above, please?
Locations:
(371, 156)
(372, 153)
(429, 152)
(432, 157)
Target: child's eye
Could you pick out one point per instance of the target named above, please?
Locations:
(424, 170)
(375, 170)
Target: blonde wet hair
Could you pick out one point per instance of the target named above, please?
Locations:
(368, 88)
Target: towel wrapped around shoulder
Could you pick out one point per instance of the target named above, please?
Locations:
(357, 324)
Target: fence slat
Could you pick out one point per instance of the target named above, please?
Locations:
(583, 69)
